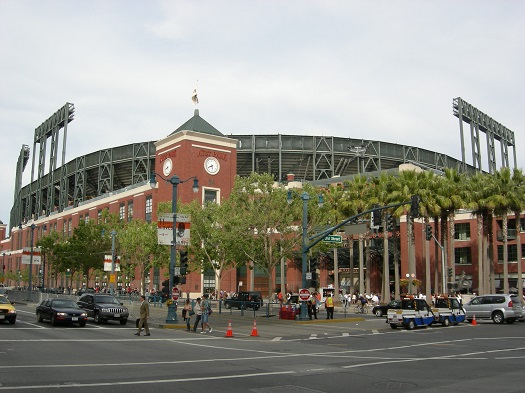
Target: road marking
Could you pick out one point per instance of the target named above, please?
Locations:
(149, 382)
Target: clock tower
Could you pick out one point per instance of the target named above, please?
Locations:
(198, 149)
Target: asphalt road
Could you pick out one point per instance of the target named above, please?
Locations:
(357, 355)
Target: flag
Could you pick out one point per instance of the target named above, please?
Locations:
(194, 97)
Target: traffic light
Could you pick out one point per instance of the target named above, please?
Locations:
(414, 206)
(428, 232)
(183, 262)
(376, 216)
(314, 280)
(313, 263)
(166, 287)
(450, 273)
(391, 223)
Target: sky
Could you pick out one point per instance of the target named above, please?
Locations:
(373, 69)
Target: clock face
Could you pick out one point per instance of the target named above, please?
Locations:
(212, 166)
(166, 166)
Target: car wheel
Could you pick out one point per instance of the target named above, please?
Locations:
(379, 313)
(393, 326)
(410, 325)
(123, 321)
(446, 322)
(81, 324)
(97, 318)
(53, 320)
(497, 317)
(39, 317)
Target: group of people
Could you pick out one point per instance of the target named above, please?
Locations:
(201, 310)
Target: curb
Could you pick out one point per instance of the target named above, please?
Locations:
(308, 322)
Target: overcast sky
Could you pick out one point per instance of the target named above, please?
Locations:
(382, 70)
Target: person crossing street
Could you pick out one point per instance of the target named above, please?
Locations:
(144, 315)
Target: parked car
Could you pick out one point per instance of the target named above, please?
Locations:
(413, 312)
(103, 308)
(7, 310)
(251, 299)
(380, 310)
(448, 310)
(61, 311)
(498, 307)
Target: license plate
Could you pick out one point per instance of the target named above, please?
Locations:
(117, 315)
(74, 318)
(2, 316)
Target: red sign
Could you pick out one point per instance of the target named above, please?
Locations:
(304, 294)
(175, 293)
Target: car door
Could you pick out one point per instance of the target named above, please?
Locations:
(475, 307)
(487, 305)
(45, 309)
(87, 303)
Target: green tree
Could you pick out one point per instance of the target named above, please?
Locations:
(138, 246)
(263, 224)
(212, 235)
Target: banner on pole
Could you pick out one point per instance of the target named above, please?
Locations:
(165, 229)
(26, 255)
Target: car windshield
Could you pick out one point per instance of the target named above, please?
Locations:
(64, 303)
(3, 300)
(106, 300)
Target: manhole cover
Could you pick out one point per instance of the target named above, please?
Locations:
(395, 385)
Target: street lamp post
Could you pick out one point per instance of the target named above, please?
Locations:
(33, 226)
(111, 287)
(3, 266)
(304, 246)
(174, 181)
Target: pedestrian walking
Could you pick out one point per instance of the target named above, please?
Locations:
(144, 315)
(329, 305)
(206, 311)
(186, 313)
(198, 314)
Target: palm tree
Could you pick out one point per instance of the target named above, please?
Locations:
(500, 201)
(517, 197)
(475, 196)
(449, 199)
(403, 187)
(429, 208)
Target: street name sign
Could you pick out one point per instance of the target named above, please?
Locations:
(333, 239)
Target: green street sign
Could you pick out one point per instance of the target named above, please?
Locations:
(333, 239)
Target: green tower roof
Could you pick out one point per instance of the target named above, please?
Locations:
(198, 124)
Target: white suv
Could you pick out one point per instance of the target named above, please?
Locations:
(500, 308)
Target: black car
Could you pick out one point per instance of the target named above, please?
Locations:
(249, 299)
(60, 311)
(382, 309)
(103, 308)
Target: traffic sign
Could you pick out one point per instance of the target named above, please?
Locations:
(304, 294)
(333, 239)
(175, 293)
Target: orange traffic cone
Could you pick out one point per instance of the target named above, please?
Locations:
(254, 330)
(474, 323)
(229, 332)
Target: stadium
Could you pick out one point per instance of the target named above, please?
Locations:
(60, 193)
